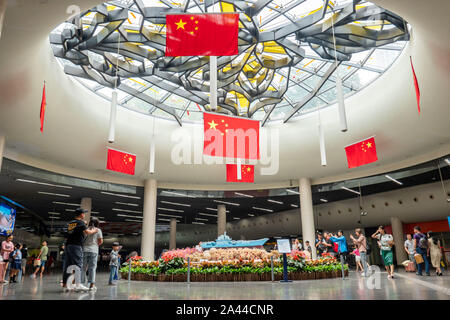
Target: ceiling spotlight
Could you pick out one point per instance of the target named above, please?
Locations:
(363, 213)
(447, 161)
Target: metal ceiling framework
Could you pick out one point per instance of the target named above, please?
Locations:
(274, 45)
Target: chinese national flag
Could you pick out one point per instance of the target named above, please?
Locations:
(42, 112)
(361, 153)
(247, 173)
(121, 161)
(213, 34)
(230, 137)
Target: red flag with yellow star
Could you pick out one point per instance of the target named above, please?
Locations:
(361, 153)
(230, 137)
(121, 161)
(247, 173)
(212, 34)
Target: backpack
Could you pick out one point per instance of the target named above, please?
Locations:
(423, 242)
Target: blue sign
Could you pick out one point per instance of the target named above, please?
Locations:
(7, 219)
(448, 222)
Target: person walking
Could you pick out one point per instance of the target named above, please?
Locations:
(76, 231)
(386, 241)
(43, 256)
(361, 244)
(7, 248)
(24, 259)
(90, 253)
(421, 249)
(16, 261)
(113, 263)
(434, 251)
(340, 240)
(357, 255)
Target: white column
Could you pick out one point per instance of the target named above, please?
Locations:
(221, 219)
(149, 220)
(307, 213)
(397, 233)
(2, 15)
(86, 204)
(173, 234)
(2, 149)
(213, 82)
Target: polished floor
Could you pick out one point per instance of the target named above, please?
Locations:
(404, 286)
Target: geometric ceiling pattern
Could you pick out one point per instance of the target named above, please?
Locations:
(287, 62)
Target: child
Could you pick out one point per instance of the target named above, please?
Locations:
(114, 262)
(16, 263)
(357, 259)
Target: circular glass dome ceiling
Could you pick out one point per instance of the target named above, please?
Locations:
(290, 52)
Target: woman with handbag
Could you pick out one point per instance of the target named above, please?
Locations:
(7, 248)
(434, 252)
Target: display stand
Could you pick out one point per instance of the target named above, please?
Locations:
(284, 247)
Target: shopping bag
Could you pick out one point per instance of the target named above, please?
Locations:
(410, 267)
(418, 258)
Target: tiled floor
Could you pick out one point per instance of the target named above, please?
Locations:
(404, 286)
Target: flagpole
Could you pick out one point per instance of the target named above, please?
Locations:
(213, 82)
(113, 114)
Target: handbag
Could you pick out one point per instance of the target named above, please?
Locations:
(37, 262)
(418, 258)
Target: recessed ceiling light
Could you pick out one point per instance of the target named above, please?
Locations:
(251, 215)
(54, 217)
(125, 210)
(292, 191)
(268, 210)
(294, 205)
(120, 195)
(128, 204)
(128, 216)
(176, 203)
(95, 212)
(169, 215)
(44, 184)
(351, 190)
(70, 210)
(324, 200)
(178, 194)
(275, 201)
(201, 219)
(236, 218)
(161, 219)
(129, 220)
(212, 209)
(167, 209)
(195, 222)
(54, 213)
(243, 195)
(447, 161)
(208, 214)
(392, 179)
(54, 194)
(230, 203)
(67, 204)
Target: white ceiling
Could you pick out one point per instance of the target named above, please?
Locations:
(76, 126)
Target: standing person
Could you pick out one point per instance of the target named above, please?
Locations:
(113, 262)
(421, 248)
(76, 231)
(320, 245)
(357, 255)
(16, 262)
(43, 256)
(361, 244)
(434, 251)
(24, 259)
(90, 253)
(340, 240)
(409, 248)
(328, 244)
(386, 242)
(7, 248)
(308, 248)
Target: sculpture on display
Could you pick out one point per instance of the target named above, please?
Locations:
(224, 241)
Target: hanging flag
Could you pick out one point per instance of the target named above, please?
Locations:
(121, 161)
(212, 34)
(230, 137)
(247, 173)
(416, 85)
(42, 113)
(361, 153)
